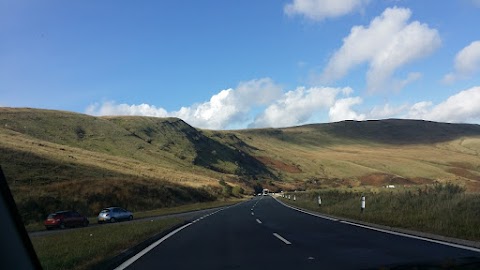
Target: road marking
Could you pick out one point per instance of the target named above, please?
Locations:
(412, 236)
(259, 222)
(252, 214)
(305, 212)
(152, 246)
(282, 239)
(384, 231)
(137, 256)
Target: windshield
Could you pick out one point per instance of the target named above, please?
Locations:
(309, 134)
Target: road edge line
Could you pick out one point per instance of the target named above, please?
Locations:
(370, 227)
(137, 256)
(305, 212)
(144, 251)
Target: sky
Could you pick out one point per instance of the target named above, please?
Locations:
(244, 64)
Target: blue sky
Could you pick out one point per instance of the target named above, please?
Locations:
(238, 64)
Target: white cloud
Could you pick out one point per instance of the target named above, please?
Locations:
(387, 44)
(342, 110)
(386, 111)
(298, 106)
(419, 110)
(232, 105)
(321, 9)
(411, 77)
(461, 107)
(111, 108)
(228, 107)
(467, 63)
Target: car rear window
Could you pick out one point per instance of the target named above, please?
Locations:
(105, 211)
(51, 216)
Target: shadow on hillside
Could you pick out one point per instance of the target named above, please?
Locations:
(400, 131)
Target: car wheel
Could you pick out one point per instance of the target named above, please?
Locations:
(85, 223)
(62, 225)
(113, 220)
(130, 217)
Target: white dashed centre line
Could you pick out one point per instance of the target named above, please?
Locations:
(282, 239)
(259, 222)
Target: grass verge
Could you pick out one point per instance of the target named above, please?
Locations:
(82, 249)
(186, 208)
(442, 209)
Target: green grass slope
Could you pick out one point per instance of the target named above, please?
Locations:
(174, 136)
(371, 153)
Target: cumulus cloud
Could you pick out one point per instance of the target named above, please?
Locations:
(459, 108)
(111, 108)
(467, 63)
(228, 107)
(298, 106)
(342, 110)
(321, 9)
(419, 110)
(387, 44)
(232, 105)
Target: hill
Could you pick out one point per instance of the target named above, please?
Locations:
(56, 158)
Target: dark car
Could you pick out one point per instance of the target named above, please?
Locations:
(113, 214)
(63, 219)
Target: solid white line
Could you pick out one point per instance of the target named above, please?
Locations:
(130, 261)
(282, 239)
(385, 231)
(259, 222)
(152, 246)
(413, 236)
(305, 212)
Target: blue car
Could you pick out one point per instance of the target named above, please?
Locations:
(114, 214)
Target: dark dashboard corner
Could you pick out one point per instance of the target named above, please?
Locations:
(16, 248)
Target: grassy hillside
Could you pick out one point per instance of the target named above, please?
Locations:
(56, 159)
(372, 153)
(174, 136)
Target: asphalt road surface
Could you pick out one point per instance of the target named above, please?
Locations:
(264, 234)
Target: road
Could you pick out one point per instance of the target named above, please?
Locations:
(264, 234)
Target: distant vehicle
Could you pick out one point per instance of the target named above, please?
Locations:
(265, 192)
(63, 219)
(114, 214)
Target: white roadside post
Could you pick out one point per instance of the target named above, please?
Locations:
(319, 201)
(294, 198)
(362, 207)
